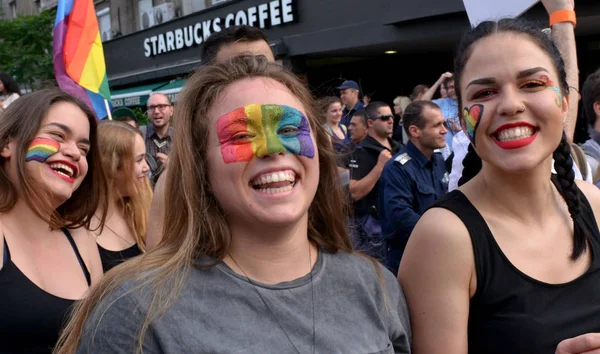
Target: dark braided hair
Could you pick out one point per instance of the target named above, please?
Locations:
(563, 163)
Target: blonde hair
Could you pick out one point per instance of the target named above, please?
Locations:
(402, 101)
(195, 224)
(117, 141)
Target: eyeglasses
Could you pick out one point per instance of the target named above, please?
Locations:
(385, 117)
(161, 107)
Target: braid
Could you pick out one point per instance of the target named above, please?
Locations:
(563, 164)
(471, 166)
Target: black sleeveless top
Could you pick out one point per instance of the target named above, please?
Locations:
(111, 259)
(514, 313)
(30, 318)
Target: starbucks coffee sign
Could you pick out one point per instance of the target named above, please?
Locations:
(270, 14)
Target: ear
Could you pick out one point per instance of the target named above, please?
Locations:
(414, 131)
(8, 149)
(370, 123)
(597, 108)
(565, 108)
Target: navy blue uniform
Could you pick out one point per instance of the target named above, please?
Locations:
(409, 184)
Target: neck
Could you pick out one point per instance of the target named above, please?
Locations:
(351, 104)
(282, 255)
(22, 218)
(428, 152)
(162, 131)
(525, 196)
(382, 140)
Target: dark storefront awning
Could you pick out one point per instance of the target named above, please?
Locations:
(134, 96)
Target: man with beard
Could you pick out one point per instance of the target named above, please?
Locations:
(158, 135)
(413, 179)
(366, 165)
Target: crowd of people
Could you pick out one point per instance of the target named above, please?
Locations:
(253, 218)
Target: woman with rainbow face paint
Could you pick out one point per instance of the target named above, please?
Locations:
(124, 162)
(51, 186)
(514, 250)
(254, 256)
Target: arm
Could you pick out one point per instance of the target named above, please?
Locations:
(361, 184)
(437, 276)
(563, 36)
(427, 96)
(157, 214)
(396, 201)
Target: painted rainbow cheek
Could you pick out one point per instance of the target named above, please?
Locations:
(41, 149)
(261, 130)
(472, 118)
(550, 85)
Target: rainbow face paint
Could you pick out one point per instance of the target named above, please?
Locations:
(260, 130)
(472, 118)
(550, 85)
(41, 149)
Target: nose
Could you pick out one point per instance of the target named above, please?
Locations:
(266, 150)
(444, 130)
(510, 103)
(70, 150)
(145, 167)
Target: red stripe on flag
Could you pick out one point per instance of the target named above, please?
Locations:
(82, 30)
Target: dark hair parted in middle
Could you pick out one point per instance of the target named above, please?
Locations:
(227, 36)
(413, 114)
(563, 163)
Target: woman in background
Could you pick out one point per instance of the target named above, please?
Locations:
(130, 195)
(10, 90)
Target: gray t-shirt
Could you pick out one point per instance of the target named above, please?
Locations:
(219, 311)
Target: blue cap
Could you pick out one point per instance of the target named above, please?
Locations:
(349, 84)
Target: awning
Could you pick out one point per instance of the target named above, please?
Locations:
(172, 89)
(134, 96)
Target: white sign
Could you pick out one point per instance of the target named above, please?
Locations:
(273, 13)
(494, 10)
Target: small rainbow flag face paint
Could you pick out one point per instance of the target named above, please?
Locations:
(41, 149)
(260, 130)
(472, 117)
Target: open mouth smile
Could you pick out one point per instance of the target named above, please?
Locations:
(274, 182)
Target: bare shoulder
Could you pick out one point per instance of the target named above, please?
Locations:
(86, 244)
(592, 194)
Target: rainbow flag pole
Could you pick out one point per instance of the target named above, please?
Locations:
(78, 56)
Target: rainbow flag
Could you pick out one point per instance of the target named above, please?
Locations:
(79, 65)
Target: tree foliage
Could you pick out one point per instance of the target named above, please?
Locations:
(26, 49)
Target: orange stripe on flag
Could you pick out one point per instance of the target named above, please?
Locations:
(82, 31)
(95, 68)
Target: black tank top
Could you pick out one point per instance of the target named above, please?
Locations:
(30, 318)
(514, 313)
(111, 259)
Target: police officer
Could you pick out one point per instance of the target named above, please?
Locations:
(413, 179)
(366, 165)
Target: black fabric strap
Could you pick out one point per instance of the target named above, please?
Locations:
(81, 262)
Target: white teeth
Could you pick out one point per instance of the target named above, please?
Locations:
(274, 177)
(515, 133)
(276, 190)
(62, 169)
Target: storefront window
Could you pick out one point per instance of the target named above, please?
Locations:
(104, 23)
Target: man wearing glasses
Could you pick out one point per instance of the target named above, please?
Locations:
(366, 165)
(158, 135)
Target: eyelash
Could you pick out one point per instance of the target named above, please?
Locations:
(482, 93)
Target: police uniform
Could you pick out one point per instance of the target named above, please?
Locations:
(364, 158)
(409, 184)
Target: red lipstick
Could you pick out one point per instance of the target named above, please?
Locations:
(514, 144)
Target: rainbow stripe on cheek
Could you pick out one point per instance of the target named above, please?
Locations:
(472, 118)
(41, 149)
(261, 130)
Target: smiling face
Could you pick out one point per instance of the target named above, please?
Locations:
(56, 157)
(127, 180)
(253, 180)
(512, 106)
(334, 114)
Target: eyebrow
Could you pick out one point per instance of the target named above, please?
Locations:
(520, 75)
(69, 132)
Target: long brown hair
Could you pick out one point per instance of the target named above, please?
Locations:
(324, 104)
(117, 141)
(21, 121)
(195, 224)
